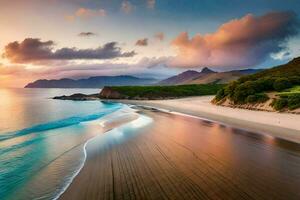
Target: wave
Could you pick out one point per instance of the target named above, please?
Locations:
(68, 182)
(58, 124)
(141, 121)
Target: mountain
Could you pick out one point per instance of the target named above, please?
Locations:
(206, 76)
(206, 70)
(92, 82)
(186, 77)
(222, 77)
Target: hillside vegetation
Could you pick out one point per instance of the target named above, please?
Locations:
(159, 92)
(206, 76)
(282, 80)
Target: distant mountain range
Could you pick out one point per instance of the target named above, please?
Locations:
(92, 82)
(206, 76)
(188, 77)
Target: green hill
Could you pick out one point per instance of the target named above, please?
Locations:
(159, 92)
(282, 80)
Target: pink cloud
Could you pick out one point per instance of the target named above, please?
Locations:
(240, 42)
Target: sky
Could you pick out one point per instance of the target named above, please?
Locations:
(53, 39)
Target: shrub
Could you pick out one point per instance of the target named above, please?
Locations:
(257, 98)
(279, 104)
(295, 80)
(281, 84)
(293, 101)
(158, 92)
(242, 91)
(229, 89)
(265, 84)
(220, 94)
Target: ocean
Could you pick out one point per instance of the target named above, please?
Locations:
(42, 140)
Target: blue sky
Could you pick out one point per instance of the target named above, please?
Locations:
(176, 35)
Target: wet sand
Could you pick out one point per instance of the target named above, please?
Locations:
(282, 125)
(177, 157)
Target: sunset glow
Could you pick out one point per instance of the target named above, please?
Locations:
(75, 39)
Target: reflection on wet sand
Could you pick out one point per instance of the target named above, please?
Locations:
(178, 157)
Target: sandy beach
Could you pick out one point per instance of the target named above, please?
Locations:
(282, 125)
(179, 157)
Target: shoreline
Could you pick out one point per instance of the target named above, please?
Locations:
(117, 122)
(107, 123)
(69, 182)
(150, 105)
(280, 125)
(157, 160)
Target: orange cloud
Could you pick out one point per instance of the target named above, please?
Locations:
(238, 43)
(13, 75)
(86, 13)
(11, 70)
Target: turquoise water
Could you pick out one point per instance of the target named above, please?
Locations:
(41, 140)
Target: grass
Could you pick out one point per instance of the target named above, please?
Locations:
(293, 90)
(289, 98)
(161, 92)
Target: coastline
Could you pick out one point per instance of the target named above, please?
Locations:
(184, 161)
(176, 106)
(282, 125)
(105, 125)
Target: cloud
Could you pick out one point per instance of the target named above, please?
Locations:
(127, 7)
(32, 50)
(282, 55)
(85, 13)
(70, 18)
(243, 42)
(144, 65)
(159, 36)
(19, 75)
(86, 34)
(151, 3)
(142, 42)
(83, 69)
(153, 62)
(14, 75)
(11, 70)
